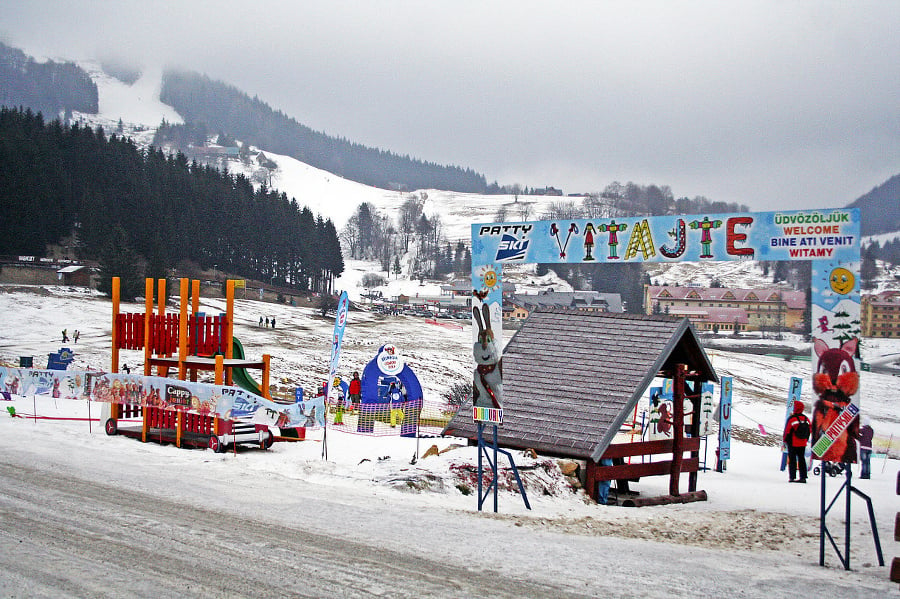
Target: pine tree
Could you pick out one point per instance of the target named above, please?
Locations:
(118, 260)
(868, 271)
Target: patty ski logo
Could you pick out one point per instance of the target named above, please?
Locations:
(511, 248)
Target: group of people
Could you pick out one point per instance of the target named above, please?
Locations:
(396, 395)
(267, 320)
(354, 392)
(75, 336)
(796, 437)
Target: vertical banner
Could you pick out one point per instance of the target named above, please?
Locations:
(340, 323)
(835, 352)
(487, 340)
(725, 419)
(707, 406)
(793, 395)
(660, 414)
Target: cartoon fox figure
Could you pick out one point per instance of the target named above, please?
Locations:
(835, 382)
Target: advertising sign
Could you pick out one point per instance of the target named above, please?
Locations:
(340, 323)
(725, 419)
(827, 237)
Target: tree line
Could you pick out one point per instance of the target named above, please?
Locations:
(218, 106)
(49, 87)
(156, 210)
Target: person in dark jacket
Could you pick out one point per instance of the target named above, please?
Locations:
(866, 434)
(796, 435)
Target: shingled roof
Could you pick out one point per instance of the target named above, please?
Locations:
(571, 378)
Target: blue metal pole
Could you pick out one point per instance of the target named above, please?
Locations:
(822, 517)
(480, 426)
(847, 518)
(496, 480)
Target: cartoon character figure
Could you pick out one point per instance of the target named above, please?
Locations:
(705, 227)
(664, 426)
(835, 382)
(613, 229)
(489, 372)
(588, 242)
(55, 393)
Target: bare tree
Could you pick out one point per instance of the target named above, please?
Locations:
(408, 219)
(562, 211)
(350, 236)
(525, 210)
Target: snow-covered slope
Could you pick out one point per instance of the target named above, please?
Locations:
(330, 195)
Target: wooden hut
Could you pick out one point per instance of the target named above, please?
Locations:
(572, 379)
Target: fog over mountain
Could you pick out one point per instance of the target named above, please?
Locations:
(772, 105)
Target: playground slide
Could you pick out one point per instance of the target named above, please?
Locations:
(240, 376)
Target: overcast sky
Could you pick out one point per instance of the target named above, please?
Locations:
(772, 104)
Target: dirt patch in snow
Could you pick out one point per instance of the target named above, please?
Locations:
(743, 529)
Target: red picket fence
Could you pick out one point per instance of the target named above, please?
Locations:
(164, 334)
(130, 330)
(191, 422)
(206, 335)
(159, 418)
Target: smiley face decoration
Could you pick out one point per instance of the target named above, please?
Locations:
(842, 281)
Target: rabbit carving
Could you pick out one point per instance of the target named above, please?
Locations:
(489, 370)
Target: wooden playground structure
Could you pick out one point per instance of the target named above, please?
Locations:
(188, 343)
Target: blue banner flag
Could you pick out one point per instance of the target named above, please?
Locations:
(340, 323)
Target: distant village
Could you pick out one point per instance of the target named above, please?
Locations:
(715, 310)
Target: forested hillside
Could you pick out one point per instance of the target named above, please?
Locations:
(222, 108)
(880, 213)
(880, 208)
(123, 202)
(50, 88)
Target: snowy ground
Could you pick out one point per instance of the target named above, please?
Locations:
(751, 507)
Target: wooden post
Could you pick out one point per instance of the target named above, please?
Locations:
(229, 326)
(678, 427)
(590, 480)
(161, 312)
(161, 294)
(145, 427)
(267, 359)
(114, 408)
(220, 368)
(179, 425)
(148, 312)
(183, 331)
(195, 296)
(114, 366)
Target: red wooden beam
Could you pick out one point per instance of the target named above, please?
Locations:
(624, 450)
(633, 471)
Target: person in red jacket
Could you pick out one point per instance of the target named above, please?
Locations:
(354, 391)
(796, 435)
